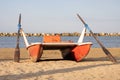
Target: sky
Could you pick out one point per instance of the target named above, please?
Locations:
(58, 16)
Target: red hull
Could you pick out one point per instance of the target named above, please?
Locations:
(81, 51)
(35, 52)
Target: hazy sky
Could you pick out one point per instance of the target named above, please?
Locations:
(60, 15)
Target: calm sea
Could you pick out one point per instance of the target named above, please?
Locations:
(108, 41)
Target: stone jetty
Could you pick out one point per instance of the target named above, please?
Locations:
(61, 34)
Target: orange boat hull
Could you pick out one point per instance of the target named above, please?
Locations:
(35, 52)
(80, 51)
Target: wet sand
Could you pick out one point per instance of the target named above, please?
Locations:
(95, 66)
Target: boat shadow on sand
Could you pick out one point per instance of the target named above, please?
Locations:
(84, 60)
(60, 59)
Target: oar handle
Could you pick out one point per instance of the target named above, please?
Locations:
(81, 19)
(19, 22)
(86, 25)
(19, 27)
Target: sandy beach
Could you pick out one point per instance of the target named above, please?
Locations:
(95, 66)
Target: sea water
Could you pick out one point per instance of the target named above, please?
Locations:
(107, 41)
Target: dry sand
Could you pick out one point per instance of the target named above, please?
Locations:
(96, 66)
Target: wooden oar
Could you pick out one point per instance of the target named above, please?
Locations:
(17, 49)
(101, 45)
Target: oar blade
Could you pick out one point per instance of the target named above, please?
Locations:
(17, 55)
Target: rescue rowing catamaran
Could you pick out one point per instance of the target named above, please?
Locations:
(69, 50)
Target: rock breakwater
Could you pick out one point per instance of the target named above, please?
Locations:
(61, 34)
